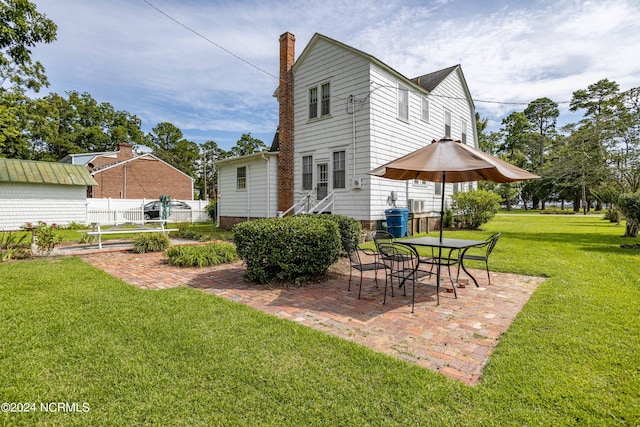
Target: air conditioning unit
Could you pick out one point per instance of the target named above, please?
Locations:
(415, 206)
(356, 183)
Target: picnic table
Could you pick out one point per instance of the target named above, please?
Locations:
(131, 227)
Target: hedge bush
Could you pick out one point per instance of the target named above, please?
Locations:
(294, 248)
(349, 228)
(201, 256)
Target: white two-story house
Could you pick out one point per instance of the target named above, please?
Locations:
(343, 113)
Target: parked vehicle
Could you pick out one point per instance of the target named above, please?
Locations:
(153, 210)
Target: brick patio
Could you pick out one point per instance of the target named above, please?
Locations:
(455, 338)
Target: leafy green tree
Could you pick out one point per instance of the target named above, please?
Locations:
(211, 153)
(630, 206)
(21, 28)
(169, 144)
(247, 145)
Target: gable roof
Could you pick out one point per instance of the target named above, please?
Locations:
(84, 158)
(147, 156)
(33, 172)
(427, 82)
(432, 80)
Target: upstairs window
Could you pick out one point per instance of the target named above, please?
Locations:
(325, 108)
(425, 109)
(447, 124)
(313, 102)
(463, 130)
(403, 103)
(320, 101)
(307, 172)
(241, 178)
(339, 169)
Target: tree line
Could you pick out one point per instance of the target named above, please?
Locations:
(590, 163)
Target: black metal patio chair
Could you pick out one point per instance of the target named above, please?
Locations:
(356, 254)
(487, 248)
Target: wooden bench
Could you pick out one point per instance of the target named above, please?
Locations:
(139, 227)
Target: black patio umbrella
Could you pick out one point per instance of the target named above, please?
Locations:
(449, 160)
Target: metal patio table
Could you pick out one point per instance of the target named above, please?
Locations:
(460, 245)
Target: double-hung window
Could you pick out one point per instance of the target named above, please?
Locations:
(425, 109)
(325, 105)
(438, 189)
(463, 130)
(313, 102)
(339, 169)
(320, 101)
(241, 178)
(307, 172)
(403, 102)
(447, 124)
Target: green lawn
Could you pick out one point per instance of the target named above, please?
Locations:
(71, 333)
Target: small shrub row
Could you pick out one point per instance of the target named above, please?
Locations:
(151, 242)
(201, 256)
(294, 248)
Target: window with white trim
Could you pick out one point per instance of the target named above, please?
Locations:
(313, 102)
(438, 189)
(241, 178)
(403, 102)
(325, 105)
(463, 130)
(339, 169)
(320, 101)
(447, 123)
(307, 172)
(425, 109)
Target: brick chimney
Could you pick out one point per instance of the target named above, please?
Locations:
(285, 98)
(125, 151)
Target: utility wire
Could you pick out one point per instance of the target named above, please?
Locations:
(277, 78)
(209, 40)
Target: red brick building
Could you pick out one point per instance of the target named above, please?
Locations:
(121, 175)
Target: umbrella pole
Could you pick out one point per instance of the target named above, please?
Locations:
(444, 180)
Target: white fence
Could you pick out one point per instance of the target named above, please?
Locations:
(16, 212)
(118, 211)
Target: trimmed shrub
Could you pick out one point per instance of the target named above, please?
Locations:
(294, 248)
(201, 256)
(150, 242)
(475, 207)
(349, 228)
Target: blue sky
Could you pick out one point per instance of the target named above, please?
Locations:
(127, 53)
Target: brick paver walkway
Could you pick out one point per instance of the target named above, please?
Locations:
(455, 338)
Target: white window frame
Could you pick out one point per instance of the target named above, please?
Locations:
(307, 172)
(447, 123)
(425, 109)
(319, 101)
(403, 102)
(463, 131)
(334, 170)
(241, 179)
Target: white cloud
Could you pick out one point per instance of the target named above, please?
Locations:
(126, 53)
